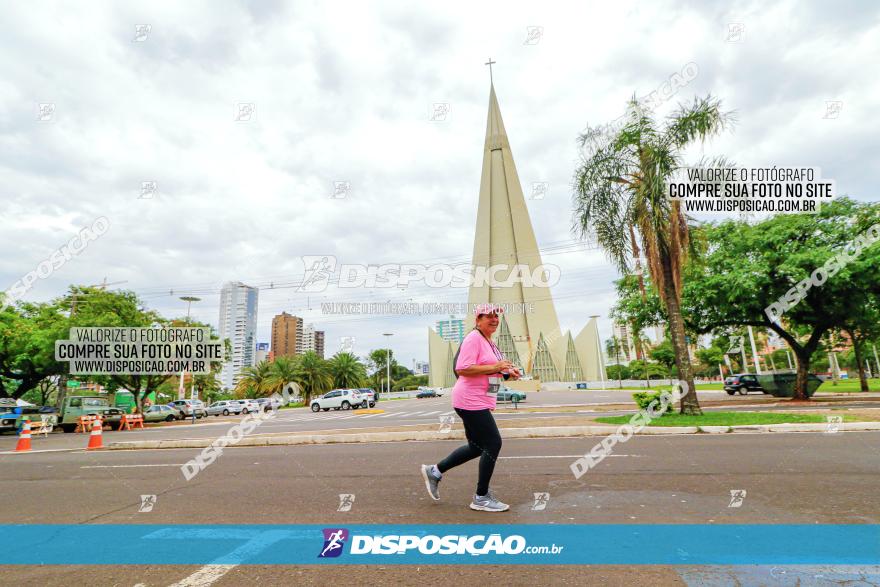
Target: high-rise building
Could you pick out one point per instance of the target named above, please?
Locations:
(238, 323)
(451, 330)
(319, 343)
(287, 332)
(504, 238)
(623, 334)
(262, 352)
(311, 340)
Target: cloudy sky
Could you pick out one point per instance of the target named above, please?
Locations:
(346, 92)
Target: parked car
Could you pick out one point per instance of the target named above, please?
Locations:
(370, 395)
(427, 392)
(249, 406)
(224, 407)
(339, 399)
(269, 403)
(742, 384)
(84, 405)
(505, 394)
(188, 406)
(161, 413)
(178, 409)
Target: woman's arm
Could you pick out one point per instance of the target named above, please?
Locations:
(486, 369)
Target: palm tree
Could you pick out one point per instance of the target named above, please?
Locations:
(313, 375)
(612, 347)
(253, 381)
(282, 371)
(621, 187)
(347, 370)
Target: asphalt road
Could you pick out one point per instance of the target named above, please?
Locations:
(410, 412)
(788, 478)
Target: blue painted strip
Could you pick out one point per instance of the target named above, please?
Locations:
(662, 544)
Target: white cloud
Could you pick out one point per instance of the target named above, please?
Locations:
(344, 93)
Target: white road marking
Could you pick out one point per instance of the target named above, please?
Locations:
(205, 576)
(429, 413)
(560, 456)
(130, 466)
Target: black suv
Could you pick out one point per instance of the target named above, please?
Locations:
(742, 384)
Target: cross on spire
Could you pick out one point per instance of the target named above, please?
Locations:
(489, 63)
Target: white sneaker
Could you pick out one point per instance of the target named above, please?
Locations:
(488, 503)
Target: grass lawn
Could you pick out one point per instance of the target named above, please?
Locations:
(659, 387)
(727, 419)
(848, 386)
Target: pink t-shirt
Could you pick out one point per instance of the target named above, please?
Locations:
(470, 391)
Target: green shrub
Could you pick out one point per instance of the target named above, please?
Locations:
(643, 399)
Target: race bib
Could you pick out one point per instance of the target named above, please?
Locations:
(494, 384)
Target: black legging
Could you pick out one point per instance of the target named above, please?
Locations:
(484, 441)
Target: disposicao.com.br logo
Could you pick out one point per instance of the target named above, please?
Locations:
(475, 545)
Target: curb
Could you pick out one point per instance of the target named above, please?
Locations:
(433, 435)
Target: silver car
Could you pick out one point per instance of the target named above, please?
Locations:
(161, 413)
(188, 406)
(225, 407)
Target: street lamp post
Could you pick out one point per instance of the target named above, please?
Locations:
(180, 390)
(388, 360)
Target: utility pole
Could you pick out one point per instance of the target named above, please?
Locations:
(876, 360)
(388, 360)
(180, 390)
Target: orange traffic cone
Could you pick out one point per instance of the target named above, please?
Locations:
(24, 439)
(95, 438)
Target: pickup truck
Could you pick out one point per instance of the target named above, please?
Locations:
(85, 405)
(13, 417)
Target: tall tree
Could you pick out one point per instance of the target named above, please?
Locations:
(347, 370)
(748, 267)
(313, 375)
(621, 186)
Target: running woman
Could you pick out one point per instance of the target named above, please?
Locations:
(480, 368)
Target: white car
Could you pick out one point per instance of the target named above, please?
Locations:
(249, 406)
(339, 399)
